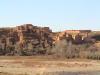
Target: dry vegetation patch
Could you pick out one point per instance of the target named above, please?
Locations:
(32, 66)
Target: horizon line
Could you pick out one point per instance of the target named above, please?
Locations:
(15, 25)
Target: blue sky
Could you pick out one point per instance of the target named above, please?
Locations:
(57, 14)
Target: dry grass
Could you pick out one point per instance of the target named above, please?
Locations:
(37, 66)
(5, 73)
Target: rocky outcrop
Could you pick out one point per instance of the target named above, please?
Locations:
(28, 39)
(22, 36)
(76, 36)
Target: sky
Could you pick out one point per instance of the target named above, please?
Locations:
(59, 15)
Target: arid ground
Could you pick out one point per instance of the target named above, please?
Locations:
(47, 66)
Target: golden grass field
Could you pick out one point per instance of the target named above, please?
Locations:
(42, 65)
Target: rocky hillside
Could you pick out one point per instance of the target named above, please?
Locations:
(25, 37)
(28, 39)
